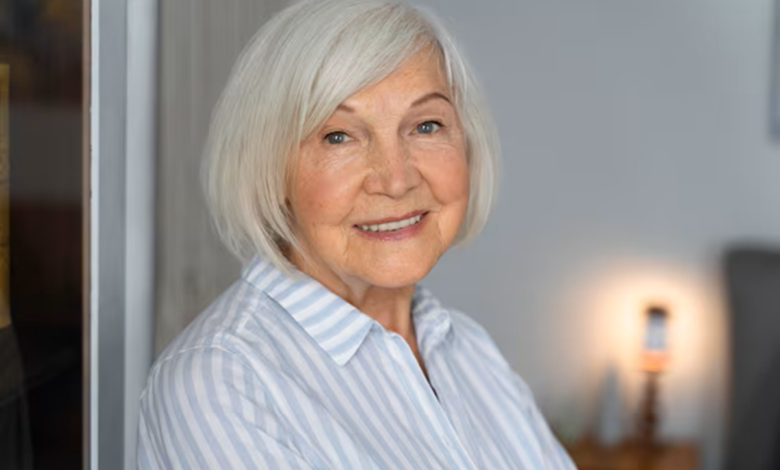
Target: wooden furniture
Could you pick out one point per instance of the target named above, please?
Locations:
(589, 455)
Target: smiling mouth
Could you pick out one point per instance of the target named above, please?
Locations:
(392, 226)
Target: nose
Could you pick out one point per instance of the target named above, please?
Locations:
(393, 171)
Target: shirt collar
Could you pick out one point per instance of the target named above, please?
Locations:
(334, 324)
(432, 321)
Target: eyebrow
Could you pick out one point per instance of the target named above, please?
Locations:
(430, 96)
(343, 107)
(418, 102)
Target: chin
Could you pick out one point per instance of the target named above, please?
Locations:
(396, 275)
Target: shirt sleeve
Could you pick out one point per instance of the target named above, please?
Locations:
(205, 409)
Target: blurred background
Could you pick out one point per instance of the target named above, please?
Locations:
(641, 171)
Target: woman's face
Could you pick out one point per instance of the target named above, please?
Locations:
(381, 188)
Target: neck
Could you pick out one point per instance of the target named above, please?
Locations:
(390, 306)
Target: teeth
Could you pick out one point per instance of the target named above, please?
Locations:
(391, 226)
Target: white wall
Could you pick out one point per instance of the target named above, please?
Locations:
(635, 147)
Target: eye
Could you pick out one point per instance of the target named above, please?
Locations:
(428, 127)
(335, 138)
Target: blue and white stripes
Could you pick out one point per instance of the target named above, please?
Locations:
(280, 373)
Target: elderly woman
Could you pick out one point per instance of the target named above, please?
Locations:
(349, 151)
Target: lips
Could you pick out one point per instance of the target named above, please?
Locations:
(392, 224)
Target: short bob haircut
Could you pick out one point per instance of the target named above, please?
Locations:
(289, 79)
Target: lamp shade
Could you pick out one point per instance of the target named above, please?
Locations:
(655, 350)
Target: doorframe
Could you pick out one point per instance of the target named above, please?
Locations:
(122, 121)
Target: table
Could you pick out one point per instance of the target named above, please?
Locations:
(589, 455)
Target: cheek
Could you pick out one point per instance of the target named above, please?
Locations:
(453, 194)
(449, 183)
(448, 178)
(456, 188)
(323, 198)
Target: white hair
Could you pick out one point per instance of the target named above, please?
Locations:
(289, 79)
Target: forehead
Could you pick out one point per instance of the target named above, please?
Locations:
(419, 74)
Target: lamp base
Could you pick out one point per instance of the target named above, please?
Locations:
(647, 422)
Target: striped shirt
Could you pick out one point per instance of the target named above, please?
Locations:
(280, 373)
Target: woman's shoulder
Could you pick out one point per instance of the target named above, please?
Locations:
(477, 338)
(212, 382)
(476, 341)
(227, 315)
(231, 328)
(465, 327)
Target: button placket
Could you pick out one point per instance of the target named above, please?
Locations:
(450, 400)
(433, 407)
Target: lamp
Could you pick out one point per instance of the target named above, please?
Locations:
(654, 361)
(655, 351)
